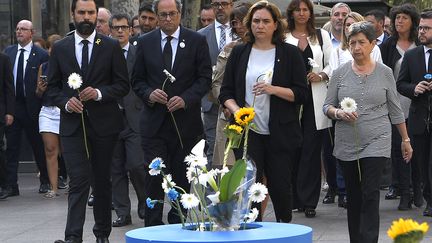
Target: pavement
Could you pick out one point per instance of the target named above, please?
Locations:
(30, 218)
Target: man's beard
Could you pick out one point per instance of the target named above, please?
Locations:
(426, 42)
(85, 27)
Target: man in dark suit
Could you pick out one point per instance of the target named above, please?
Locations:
(377, 18)
(147, 20)
(414, 84)
(90, 119)
(184, 53)
(7, 111)
(26, 59)
(217, 35)
(128, 155)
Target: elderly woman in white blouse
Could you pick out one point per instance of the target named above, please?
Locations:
(315, 46)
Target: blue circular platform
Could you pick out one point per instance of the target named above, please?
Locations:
(264, 232)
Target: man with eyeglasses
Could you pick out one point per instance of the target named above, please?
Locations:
(414, 82)
(147, 20)
(102, 26)
(170, 121)
(25, 58)
(128, 155)
(217, 35)
(207, 16)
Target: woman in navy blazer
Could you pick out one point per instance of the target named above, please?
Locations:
(277, 138)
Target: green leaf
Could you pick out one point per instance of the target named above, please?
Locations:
(231, 180)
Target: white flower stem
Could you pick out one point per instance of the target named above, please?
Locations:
(358, 148)
(177, 130)
(227, 149)
(245, 143)
(84, 132)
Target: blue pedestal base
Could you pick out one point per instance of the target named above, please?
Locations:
(268, 233)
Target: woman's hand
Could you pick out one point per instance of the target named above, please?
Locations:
(406, 151)
(313, 77)
(41, 87)
(347, 116)
(262, 88)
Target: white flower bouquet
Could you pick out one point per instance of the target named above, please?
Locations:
(220, 199)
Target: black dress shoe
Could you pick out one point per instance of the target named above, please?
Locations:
(3, 194)
(342, 201)
(90, 201)
(329, 197)
(405, 202)
(310, 212)
(102, 240)
(12, 191)
(392, 194)
(428, 211)
(44, 188)
(122, 221)
(68, 241)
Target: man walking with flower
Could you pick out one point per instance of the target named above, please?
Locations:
(171, 118)
(90, 119)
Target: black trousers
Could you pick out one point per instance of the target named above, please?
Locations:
(274, 159)
(23, 122)
(422, 161)
(166, 145)
(401, 171)
(80, 169)
(363, 197)
(307, 170)
(128, 162)
(3, 171)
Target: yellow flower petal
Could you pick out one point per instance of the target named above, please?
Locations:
(244, 116)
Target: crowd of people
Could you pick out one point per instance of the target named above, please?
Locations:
(351, 101)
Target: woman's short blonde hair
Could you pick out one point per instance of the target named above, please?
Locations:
(357, 18)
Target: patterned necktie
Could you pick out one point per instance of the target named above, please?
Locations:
(430, 61)
(167, 54)
(84, 57)
(222, 40)
(20, 76)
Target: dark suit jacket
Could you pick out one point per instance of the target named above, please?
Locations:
(192, 70)
(288, 72)
(413, 69)
(7, 91)
(107, 71)
(132, 103)
(36, 58)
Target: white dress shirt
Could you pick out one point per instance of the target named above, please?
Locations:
(174, 43)
(27, 52)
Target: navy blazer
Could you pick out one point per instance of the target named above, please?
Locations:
(36, 58)
(289, 71)
(192, 69)
(7, 91)
(412, 71)
(107, 71)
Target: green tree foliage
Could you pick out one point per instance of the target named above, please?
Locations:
(421, 4)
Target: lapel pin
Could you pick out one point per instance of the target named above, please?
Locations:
(98, 41)
(135, 43)
(182, 44)
(278, 60)
(34, 54)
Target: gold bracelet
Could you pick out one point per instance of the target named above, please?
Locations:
(406, 140)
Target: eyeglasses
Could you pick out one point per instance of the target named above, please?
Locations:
(22, 29)
(424, 28)
(164, 16)
(117, 28)
(136, 26)
(221, 4)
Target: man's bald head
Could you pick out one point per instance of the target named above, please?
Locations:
(24, 32)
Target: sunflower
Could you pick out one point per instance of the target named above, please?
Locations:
(244, 116)
(235, 128)
(408, 227)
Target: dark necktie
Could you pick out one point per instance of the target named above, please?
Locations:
(167, 54)
(85, 55)
(430, 61)
(222, 40)
(20, 77)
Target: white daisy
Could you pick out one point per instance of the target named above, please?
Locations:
(192, 174)
(74, 81)
(189, 201)
(257, 192)
(312, 63)
(252, 216)
(214, 198)
(196, 161)
(348, 104)
(167, 183)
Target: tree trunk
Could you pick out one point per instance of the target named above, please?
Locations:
(129, 7)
